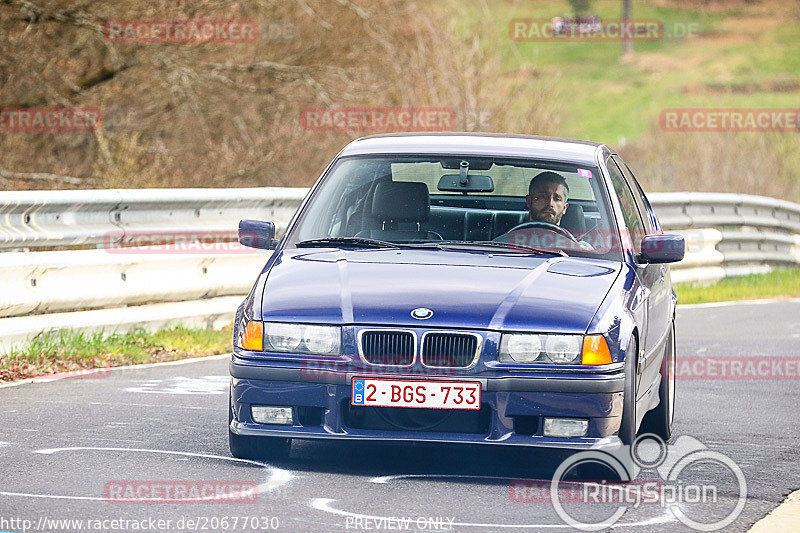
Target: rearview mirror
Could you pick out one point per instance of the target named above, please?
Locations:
(257, 234)
(662, 248)
(474, 183)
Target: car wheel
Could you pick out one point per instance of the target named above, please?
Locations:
(627, 428)
(256, 448)
(659, 420)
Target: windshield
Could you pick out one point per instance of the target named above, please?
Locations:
(486, 204)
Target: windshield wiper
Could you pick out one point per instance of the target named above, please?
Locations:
(355, 242)
(505, 245)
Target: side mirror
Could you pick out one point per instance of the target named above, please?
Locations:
(662, 248)
(257, 234)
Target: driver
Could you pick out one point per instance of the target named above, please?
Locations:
(546, 201)
(547, 197)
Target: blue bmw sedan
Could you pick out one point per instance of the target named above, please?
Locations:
(460, 288)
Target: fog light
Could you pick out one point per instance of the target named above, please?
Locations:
(565, 427)
(265, 414)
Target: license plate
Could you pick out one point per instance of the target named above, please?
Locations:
(379, 392)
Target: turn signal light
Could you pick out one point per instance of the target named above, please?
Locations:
(595, 351)
(253, 336)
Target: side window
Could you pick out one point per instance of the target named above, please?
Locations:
(629, 209)
(637, 193)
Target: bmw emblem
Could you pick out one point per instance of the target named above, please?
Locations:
(422, 313)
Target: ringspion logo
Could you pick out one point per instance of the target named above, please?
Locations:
(181, 31)
(703, 488)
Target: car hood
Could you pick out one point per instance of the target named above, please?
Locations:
(510, 292)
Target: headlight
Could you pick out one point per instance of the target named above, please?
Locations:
(520, 348)
(302, 338)
(547, 349)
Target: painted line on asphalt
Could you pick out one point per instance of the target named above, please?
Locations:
(324, 504)
(277, 478)
(129, 404)
(738, 302)
(181, 385)
(77, 373)
(387, 479)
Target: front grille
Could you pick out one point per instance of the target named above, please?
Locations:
(449, 349)
(388, 347)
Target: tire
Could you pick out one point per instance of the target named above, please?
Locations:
(660, 420)
(256, 448)
(627, 427)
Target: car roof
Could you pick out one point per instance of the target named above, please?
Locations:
(487, 144)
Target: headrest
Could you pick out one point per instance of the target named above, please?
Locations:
(401, 201)
(573, 218)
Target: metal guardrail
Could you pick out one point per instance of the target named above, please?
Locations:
(108, 285)
(34, 219)
(122, 288)
(729, 234)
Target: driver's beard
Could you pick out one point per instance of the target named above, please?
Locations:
(545, 217)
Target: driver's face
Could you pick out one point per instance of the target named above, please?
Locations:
(547, 202)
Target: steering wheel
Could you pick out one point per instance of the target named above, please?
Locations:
(548, 226)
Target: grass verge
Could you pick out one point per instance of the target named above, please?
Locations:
(780, 283)
(66, 351)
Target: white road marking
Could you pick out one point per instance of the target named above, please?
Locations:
(129, 404)
(324, 504)
(116, 441)
(387, 479)
(738, 302)
(183, 385)
(4, 444)
(277, 477)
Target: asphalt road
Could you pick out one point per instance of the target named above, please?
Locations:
(66, 446)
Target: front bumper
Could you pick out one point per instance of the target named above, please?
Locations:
(513, 407)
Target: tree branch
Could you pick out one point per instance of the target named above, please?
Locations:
(40, 176)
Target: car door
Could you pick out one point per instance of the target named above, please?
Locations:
(654, 278)
(648, 276)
